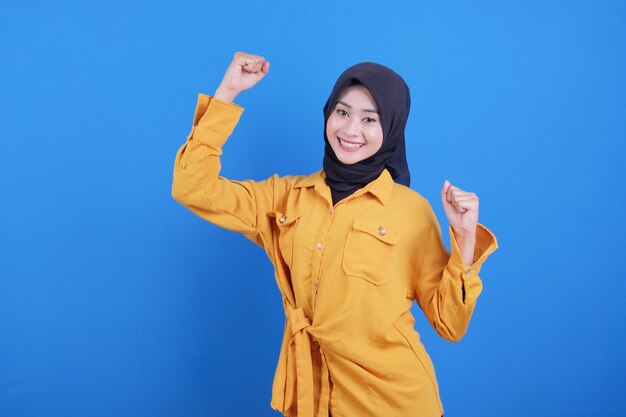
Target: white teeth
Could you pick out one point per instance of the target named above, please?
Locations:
(350, 145)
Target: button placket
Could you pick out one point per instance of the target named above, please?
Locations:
(318, 253)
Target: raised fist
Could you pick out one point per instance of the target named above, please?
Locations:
(244, 71)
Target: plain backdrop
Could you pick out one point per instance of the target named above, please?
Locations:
(117, 301)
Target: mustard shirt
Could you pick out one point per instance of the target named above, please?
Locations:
(348, 275)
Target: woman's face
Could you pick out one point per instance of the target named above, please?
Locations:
(353, 128)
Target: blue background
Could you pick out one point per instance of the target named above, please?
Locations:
(117, 301)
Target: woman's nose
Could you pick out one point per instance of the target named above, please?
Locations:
(351, 126)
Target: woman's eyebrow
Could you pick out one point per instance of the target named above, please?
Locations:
(349, 106)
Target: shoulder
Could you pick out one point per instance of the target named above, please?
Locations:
(299, 181)
(413, 210)
(285, 183)
(405, 196)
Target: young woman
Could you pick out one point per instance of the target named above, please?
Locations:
(352, 246)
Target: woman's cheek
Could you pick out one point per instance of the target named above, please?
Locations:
(374, 137)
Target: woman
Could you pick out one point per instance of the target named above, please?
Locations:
(351, 244)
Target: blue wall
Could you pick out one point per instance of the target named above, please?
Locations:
(117, 301)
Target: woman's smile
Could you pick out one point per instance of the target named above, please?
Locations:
(349, 146)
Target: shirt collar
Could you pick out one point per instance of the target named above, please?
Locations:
(381, 187)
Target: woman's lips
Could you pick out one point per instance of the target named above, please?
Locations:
(349, 146)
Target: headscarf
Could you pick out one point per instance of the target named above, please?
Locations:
(393, 99)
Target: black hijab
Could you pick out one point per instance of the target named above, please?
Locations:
(394, 101)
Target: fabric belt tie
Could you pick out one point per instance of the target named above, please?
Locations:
(299, 381)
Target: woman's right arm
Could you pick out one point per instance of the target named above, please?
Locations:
(235, 205)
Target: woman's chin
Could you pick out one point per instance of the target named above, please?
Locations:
(348, 160)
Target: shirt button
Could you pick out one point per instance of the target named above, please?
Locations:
(382, 231)
(467, 272)
(283, 219)
(319, 245)
(330, 211)
(314, 286)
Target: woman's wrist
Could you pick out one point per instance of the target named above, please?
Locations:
(467, 244)
(224, 94)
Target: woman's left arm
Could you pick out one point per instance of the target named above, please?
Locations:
(448, 285)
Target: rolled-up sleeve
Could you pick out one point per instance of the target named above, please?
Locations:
(446, 288)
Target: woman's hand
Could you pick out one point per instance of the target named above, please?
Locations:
(244, 72)
(461, 208)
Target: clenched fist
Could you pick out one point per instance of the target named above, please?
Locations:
(244, 72)
(461, 208)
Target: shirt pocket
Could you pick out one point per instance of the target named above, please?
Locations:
(286, 225)
(368, 250)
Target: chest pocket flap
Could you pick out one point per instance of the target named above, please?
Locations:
(377, 230)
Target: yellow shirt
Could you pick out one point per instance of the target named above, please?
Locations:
(348, 275)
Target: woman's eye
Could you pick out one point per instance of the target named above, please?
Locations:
(342, 112)
(369, 120)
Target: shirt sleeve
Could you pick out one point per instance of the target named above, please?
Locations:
(446, 288)
(240, 206)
